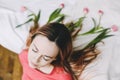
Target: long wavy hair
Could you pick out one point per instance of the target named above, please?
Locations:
(73, 61)
(58, 33)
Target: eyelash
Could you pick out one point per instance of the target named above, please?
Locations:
(42, 57)
(34, 50)
(45, 58)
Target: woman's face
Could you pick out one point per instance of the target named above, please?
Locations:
(42, 52)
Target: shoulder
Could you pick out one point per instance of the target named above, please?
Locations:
(23, 53)
(23, 56)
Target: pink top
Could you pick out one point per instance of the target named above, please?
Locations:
(29, 73)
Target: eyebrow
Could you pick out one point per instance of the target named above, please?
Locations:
(38, 50)
(36, 47)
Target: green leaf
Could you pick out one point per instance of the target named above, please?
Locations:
(25, 22)
(61, 18)
(91, 31)
(71, 27)
(94, 22)
(37, 17)
(31, 15)
(108, 36)
(79, 22)
(54, 14)
(75, 25)
(99, 38)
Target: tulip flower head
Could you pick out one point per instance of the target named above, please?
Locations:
(100, 12)
(86, 11)
(23, 9)
(62, 5)
(114, 28)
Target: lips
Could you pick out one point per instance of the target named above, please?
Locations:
(33, 64)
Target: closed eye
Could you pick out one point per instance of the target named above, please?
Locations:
(47, 58)
(34, 50)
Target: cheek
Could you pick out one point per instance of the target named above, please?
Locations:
(31, 55)
(43, 62)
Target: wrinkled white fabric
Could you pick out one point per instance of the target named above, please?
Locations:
(106, 66)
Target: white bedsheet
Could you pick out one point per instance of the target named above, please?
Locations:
(106, 67)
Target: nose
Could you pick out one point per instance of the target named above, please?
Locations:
(37, 58)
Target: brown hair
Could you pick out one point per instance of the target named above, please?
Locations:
(58, 33)
(82, 58)
(73, 62)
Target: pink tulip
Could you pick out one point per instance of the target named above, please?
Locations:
(62, 5)
(100, 12)
(85, 10)
(114, 28)
(23, 9)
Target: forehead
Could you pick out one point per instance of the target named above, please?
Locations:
(44, 45)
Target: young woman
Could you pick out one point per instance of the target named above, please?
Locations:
(48, 54)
